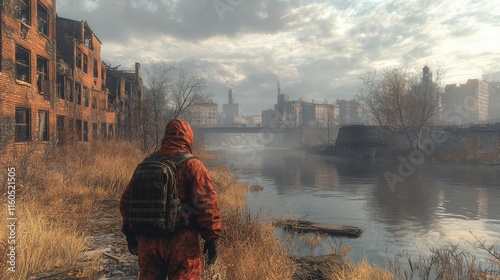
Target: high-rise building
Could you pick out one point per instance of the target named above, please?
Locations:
(467, 103)
(494, 101)
(350, 112)
(231, 111)
(203, 115)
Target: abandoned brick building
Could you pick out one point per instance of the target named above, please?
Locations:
(53, 83)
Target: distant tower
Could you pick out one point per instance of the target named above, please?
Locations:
(231, 96)
(427, 77)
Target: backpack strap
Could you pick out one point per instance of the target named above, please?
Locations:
(180, 158)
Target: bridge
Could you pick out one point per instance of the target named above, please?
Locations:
(244, 130)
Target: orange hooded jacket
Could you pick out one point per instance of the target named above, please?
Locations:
(196, 191)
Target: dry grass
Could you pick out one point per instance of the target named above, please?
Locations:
(249, 250)
(472, 148)
(56, 193)
(45, 243)
(58, 189)
(448, 263)
(360, 271)
(232, 195)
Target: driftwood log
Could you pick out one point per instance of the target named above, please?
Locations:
(304, 226)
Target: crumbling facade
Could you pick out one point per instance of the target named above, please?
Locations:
(124, 98)
(53, 82)
(28, 103)
(81, 89)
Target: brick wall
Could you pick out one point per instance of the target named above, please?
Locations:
(42, 96)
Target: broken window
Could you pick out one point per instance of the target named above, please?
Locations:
(61, 130)
(25, 11)
(85, 96)
(96, 70)
(43, 126)
(23, 125)
(94, 101)
(85, 63)
(78, 93)
(43, 19)
(85, 131)
(103, 130)
(69, 89)
(79, 130)
(94, 131)
(42, 77)
(60, 86)
(111, 132)
(87, 34)
(22, 64)
(78, 61)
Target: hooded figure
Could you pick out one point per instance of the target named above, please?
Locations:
(177, 256)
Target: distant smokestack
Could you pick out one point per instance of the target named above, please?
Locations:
(231, 97)
(138, 74)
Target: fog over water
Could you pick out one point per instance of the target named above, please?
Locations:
(441, 203)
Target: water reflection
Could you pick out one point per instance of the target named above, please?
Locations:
(438, 204)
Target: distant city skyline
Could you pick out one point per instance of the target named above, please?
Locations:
(318, 49)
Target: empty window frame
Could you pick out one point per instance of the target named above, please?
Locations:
(111, 132)
(79, 129)
(68, 85)
(78, 93)
(94, 100)
(85, 131)
(43, 126)
(23, 125)
(25, 11)
(42, 71)
(85, 96)
(78, 60)
(60, 87)
(85, 63)
(104, 130)
(43, 19)
(94, 131)
(96, 69)
(87, 35)
(22, 64)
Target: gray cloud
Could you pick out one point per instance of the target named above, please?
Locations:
(318, 48)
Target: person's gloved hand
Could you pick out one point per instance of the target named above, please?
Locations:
(210, 247)
(133, 246)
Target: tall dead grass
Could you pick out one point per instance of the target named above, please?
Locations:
(249, 250)
(57, 191)
(472, 148)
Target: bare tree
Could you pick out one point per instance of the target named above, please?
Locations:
(168, 92)
(187, 91)
(400, 103)
(158, 80)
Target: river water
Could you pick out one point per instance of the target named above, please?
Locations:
(439, 204)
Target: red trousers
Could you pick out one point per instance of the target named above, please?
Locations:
(176, 256)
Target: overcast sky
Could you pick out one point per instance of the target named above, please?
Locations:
(318, 49)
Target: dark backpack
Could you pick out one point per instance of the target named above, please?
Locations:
(154, 205)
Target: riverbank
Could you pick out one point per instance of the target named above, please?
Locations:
(68, 223)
